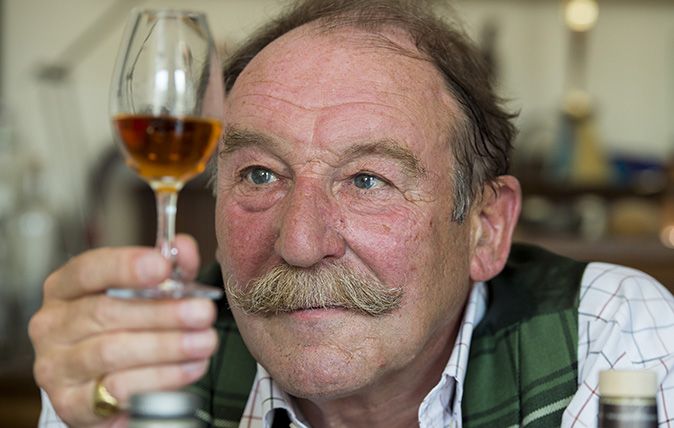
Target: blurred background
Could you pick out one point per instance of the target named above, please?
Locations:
(593, 81)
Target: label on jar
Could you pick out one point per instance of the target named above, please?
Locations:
(627, 416)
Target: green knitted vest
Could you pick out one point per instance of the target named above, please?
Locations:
(522, 368)
(523, 363)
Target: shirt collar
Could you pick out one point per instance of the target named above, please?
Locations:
(440, 408)
(442, 405)
(265, 398)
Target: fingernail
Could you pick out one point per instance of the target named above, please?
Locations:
(196, 367)
(199, 344)
(195, 313)
(150, 266)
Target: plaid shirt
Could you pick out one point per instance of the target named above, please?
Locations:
(625, 321)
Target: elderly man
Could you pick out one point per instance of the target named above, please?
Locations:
(364, 221)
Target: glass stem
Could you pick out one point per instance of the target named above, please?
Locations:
(166, 225)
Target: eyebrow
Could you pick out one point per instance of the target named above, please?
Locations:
(236, 139)
(390, 149)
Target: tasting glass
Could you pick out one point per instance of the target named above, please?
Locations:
(166, 105)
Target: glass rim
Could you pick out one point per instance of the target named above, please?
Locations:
(169, 12)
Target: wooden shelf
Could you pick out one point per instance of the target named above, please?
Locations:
(646, 254)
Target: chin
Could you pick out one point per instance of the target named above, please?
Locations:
(322, 375)
(319, 354)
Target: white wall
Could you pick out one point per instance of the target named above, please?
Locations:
(631, 71)
(67, 124)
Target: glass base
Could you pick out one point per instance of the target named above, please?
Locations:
(169, 289)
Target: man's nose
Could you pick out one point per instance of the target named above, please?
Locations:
(309, 226)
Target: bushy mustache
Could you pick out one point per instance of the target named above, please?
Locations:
(287, 288)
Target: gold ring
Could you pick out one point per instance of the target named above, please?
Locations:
(105, 405)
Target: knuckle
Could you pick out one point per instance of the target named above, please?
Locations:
(38, 326)
(106, 354)
(73, 265)
(50, 282)
(43, 371)
(61, 400)
(164, 315)
(86, 266)
(101, 313)
(81, 272)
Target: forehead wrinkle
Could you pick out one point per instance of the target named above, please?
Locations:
(275, 96)
(391, 149)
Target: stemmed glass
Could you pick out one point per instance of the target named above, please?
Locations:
(167, 106)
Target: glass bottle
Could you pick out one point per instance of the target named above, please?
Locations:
(168, 409)
(33, 237)
(627, 399)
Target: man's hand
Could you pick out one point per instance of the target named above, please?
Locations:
(81, 335)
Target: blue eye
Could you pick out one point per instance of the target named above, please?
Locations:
(259, 176)
(366, 181)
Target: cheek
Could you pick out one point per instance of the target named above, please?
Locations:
(245, 239)
(415, 249)
(389, 243)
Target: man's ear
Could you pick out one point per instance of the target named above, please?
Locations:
(493, 219)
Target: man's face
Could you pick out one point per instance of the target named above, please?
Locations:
(346, 160)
